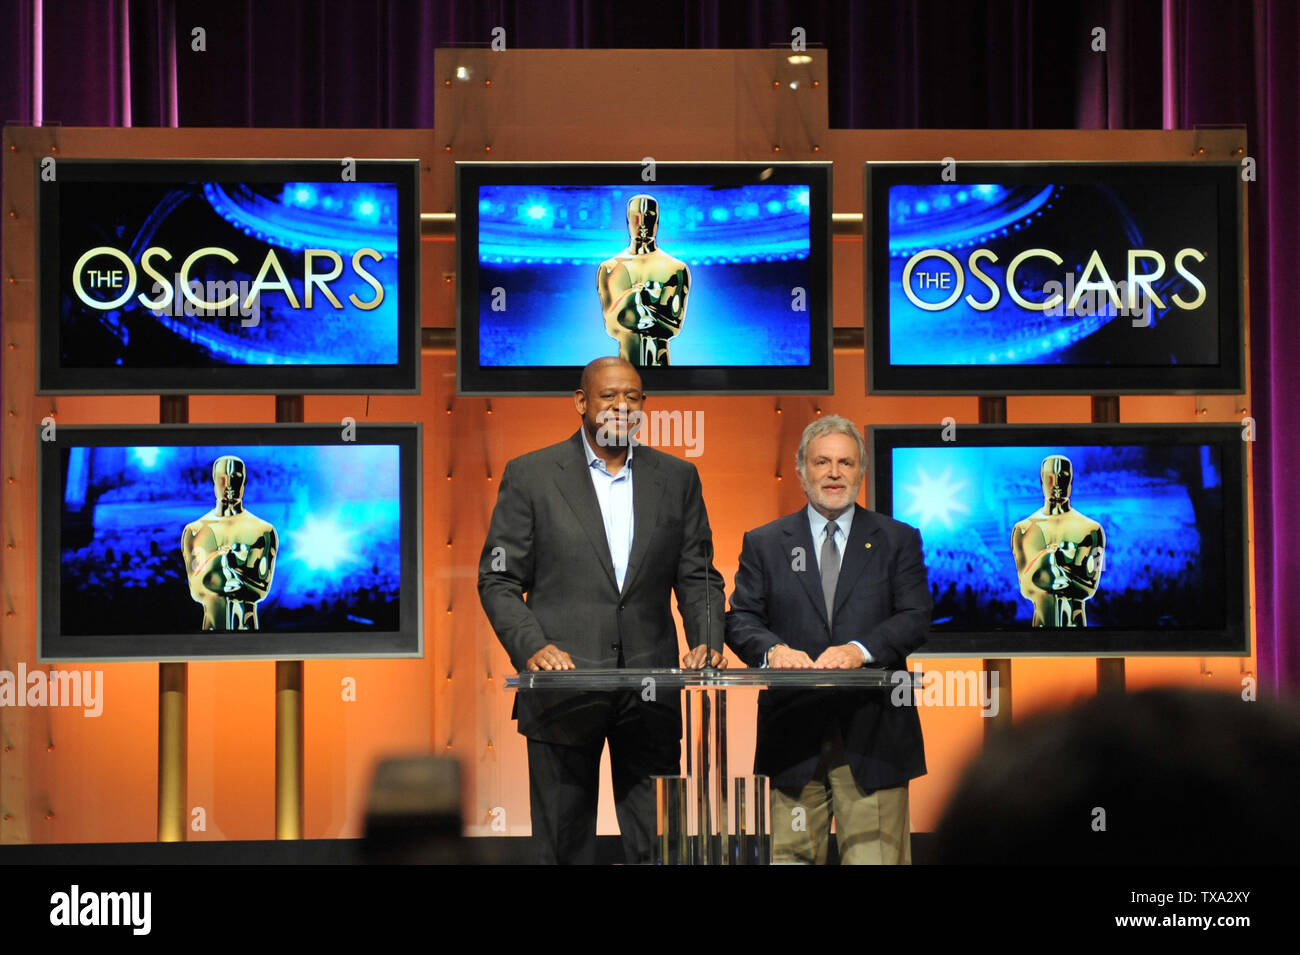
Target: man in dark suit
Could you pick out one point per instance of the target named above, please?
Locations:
(833, 585)
(597, 531)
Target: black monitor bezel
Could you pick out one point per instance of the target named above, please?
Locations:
(55, 647)
(402, 378)
(1231, 640)
(883, 378)
(556, 380)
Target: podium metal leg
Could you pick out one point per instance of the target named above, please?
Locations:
(750, 845)
(761, 835)
(741, 843)
(703, 808)
(707, 777)
(670, 814)
(720, 774)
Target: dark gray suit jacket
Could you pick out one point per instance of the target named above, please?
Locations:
(882, 599)
(546, 576)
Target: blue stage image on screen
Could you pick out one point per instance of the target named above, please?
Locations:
(747, 248)
(334, 511)
(1043, 273)
(1160, 508)
(278, 273)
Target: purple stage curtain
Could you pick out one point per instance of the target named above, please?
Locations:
(1238, 63)
(1006, 64)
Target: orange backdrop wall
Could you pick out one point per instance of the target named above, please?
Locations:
(65, 777)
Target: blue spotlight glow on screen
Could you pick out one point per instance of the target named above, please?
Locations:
(335, 215)
(1000, 274)
(1160, 508)
(927, 217)
(311, 269)
(747, 248)
(335, 509)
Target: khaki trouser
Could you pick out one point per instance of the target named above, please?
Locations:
(872, 828)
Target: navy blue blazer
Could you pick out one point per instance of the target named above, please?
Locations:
(882, 600)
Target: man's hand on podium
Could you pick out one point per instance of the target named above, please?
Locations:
(550, 657)
(781, 657)
(694, 660)
(843, 657)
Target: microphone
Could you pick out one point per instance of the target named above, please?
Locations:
(708, 614)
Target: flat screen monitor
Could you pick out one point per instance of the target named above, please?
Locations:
(188, 542)
(1042, 277)
(244, 276)
(1095, 540)
(710, 278)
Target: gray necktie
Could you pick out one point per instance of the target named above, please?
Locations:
(830, 568)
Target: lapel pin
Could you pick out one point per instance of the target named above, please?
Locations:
(868, 545)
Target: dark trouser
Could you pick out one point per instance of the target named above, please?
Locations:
(564, 782)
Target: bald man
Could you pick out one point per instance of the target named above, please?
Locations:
(598, 532)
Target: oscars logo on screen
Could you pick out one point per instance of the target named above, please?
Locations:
(119, 280)
(1138, 282)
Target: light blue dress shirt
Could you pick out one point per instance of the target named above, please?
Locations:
(842, 523)
(817, 522)
(614, 493)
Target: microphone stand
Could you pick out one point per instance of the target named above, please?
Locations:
(706, 849)
(708, 613)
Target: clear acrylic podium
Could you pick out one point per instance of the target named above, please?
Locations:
(693, 825)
